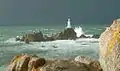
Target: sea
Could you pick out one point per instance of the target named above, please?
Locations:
(65, 49)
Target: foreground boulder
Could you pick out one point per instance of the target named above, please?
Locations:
(65, 65)
(93, 64)
(26, 63)
(110, 47)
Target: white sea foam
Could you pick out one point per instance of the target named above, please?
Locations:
(79, 31)
(58, 49)
(89, 35)
(10, 40)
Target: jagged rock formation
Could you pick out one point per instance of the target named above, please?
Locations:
(110, 47)
(83, 36)
(68, 33)
(36, 36)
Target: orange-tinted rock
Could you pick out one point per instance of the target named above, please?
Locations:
(36, 63)
(19, 63)
(26, 63)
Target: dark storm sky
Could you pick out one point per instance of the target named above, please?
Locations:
(49, 12)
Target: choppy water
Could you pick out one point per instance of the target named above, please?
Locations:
(64, 48)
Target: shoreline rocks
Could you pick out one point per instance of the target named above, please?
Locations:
(27, 62)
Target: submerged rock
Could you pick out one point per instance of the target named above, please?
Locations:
(83, 36)
(95, 36)
(110, 47)
(27, 41)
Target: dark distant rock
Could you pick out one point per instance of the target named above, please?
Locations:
(27, 41)
(110, 47)
(33, 37)
(68, 33)
(95, 36)
(83, 36)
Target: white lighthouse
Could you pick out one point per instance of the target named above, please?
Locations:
(68, 23)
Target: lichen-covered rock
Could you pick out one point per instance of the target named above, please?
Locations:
(26, 63)
(110, 47)
(19, 63)
(65, 65)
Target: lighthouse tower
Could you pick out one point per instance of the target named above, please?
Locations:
(68, 23)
